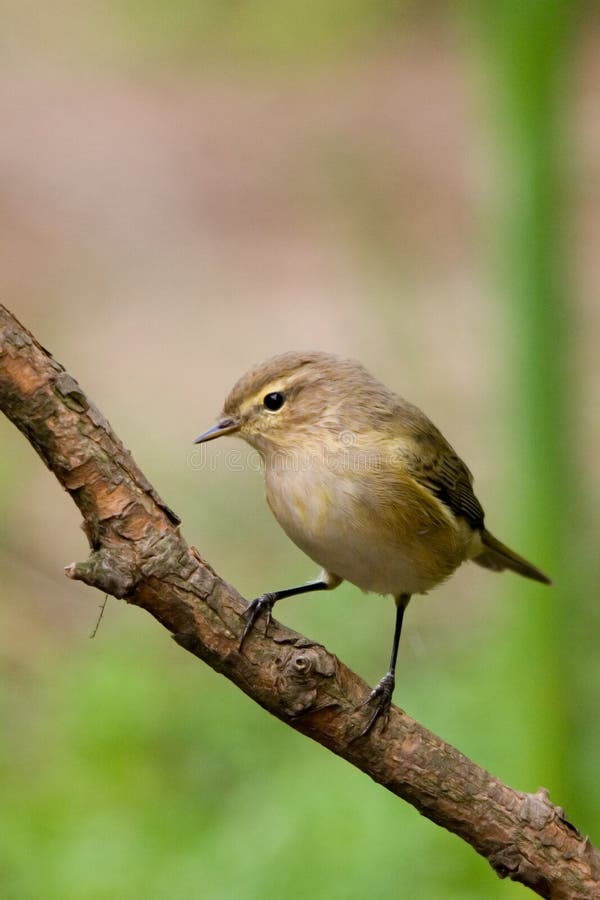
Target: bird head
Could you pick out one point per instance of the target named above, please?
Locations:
(296, 398)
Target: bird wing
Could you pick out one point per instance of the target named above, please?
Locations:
(435, 465)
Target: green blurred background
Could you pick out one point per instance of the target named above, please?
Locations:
(188, 188)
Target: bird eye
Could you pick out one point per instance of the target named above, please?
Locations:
(274, 401)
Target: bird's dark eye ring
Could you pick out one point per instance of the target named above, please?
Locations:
(274, 401)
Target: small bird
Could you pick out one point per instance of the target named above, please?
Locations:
(361, 481)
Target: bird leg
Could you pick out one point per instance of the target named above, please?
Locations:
(382, 692)
(264, 604)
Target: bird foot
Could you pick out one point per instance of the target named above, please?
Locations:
(382, 694)
(262, 604)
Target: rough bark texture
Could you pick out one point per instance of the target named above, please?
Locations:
(138, 554)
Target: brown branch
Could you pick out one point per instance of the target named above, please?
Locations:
(138, 553)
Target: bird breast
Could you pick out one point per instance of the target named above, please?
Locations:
(382, 532)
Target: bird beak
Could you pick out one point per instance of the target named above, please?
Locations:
(225, 426)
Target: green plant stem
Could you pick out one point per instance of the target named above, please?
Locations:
(527, 57)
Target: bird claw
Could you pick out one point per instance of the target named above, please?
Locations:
(382, 692)
(254, 610)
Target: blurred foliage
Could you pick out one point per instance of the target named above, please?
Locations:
(263, 31)
(159, 780)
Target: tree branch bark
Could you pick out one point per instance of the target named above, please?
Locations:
(138, 554)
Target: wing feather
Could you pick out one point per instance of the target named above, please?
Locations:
(434, 464)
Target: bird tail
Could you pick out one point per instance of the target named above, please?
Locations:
(497, 556)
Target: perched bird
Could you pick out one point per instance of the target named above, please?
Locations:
(363, 483)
